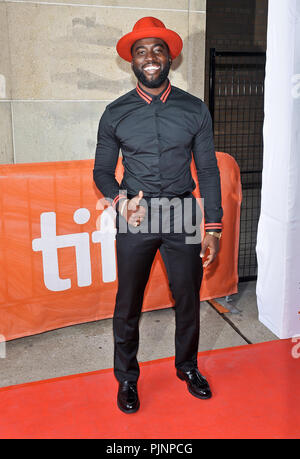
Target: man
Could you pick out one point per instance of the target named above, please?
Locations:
(158, 128)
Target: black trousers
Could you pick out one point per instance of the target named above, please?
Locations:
(135, 255)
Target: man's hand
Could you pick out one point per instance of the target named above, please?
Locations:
(132, 211)
(211, 243)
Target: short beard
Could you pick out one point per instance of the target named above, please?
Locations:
(154, 83)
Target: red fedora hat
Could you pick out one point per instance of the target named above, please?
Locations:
(149, 27)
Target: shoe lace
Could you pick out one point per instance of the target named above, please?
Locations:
(133, 387)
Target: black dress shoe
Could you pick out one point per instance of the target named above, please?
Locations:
(196, 383)
(128, 400)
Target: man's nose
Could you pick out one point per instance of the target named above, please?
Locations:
(150, 56)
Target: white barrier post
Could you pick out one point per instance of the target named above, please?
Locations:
(278, 242)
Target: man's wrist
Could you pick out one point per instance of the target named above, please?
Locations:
(215, 234)
(213, 228)
(117, 202)
(122, 205)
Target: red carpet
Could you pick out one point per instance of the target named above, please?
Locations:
(255, 387)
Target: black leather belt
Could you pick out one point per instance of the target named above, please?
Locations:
(180, 196)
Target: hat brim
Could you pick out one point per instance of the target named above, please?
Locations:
(172, 39)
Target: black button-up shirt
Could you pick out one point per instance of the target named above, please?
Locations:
(158, 136)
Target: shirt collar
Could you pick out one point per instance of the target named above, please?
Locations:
(149, 97)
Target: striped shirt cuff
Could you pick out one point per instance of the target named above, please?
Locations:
(213, 226)
(117, 199)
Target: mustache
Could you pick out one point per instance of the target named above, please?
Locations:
(161, 78)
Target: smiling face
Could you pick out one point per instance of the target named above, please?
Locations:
(151, 61)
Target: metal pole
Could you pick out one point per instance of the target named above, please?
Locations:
(212, 66)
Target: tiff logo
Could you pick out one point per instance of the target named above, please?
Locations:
(50, 242)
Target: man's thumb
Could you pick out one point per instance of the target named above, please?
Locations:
(140, 196)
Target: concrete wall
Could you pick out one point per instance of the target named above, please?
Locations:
(59, 69)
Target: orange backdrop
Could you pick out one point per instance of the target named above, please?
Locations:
(56, 190)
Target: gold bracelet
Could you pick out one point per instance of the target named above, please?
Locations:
(214, 233)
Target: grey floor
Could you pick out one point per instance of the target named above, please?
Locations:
(88, 347)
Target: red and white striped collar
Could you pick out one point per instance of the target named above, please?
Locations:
(148, 98)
